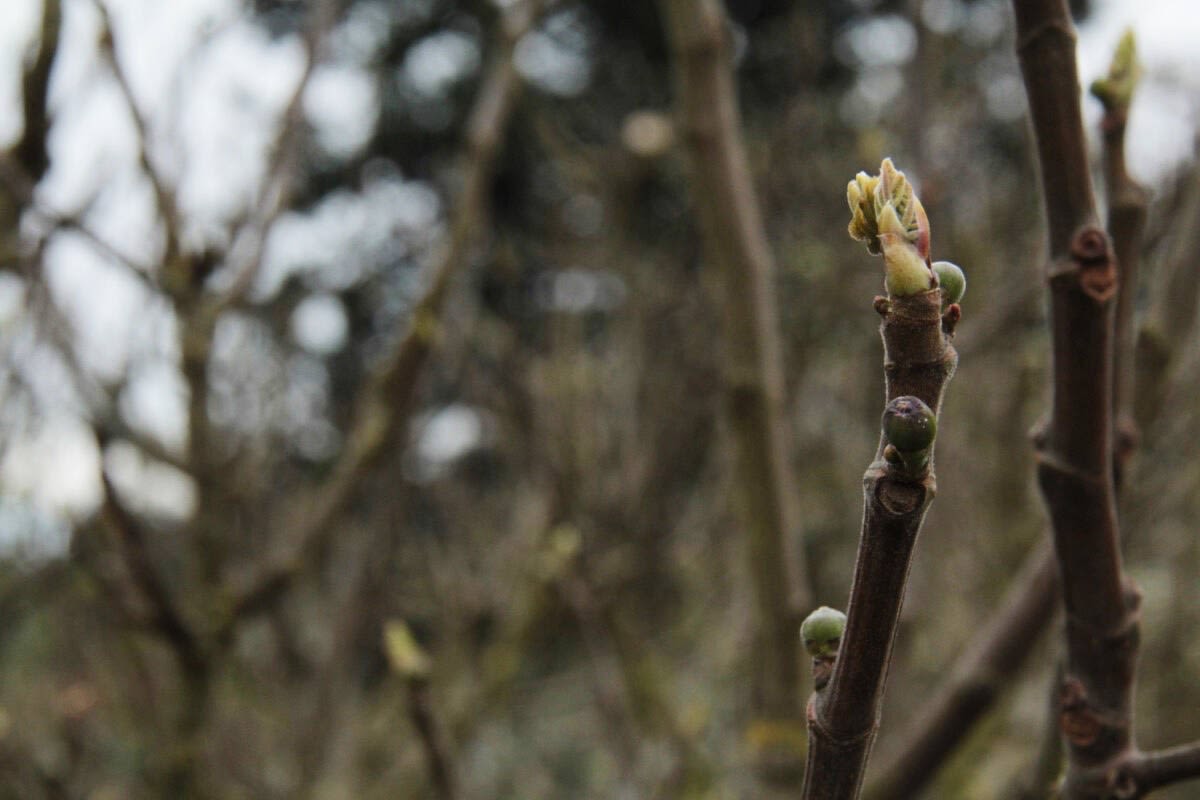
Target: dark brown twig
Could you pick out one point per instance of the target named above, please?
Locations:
(977, 679)
(1149, 771)
(164, 192)
(30, 150)
(246, 253)
(843, 717)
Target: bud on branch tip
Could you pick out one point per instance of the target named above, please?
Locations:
(1115, 90)
(887, 215)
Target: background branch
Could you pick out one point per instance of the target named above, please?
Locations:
(389, 399)
(735, 244)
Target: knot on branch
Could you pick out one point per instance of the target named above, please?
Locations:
(1091, 731)
(1093, 260)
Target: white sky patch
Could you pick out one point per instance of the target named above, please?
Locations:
(319, 324)
(232, 113)
(56, 469)
(148, 486)
(154, 403)
(99, 298)
(440, 60)
(342, 104)
(444, 436)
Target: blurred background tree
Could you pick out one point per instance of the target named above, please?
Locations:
(392, 317)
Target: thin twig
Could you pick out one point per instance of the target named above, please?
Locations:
(283, 166)
(168, 620)
(389, 400)
(164, 192)
(30, 150)
(843, 715)
(1160, 768)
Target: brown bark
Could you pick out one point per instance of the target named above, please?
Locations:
(1075, 469)
(843, 717)
(977, 679)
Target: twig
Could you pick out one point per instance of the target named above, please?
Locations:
(843, 717)
(1127, 202)
(977, 679)
(30, 149)
(389, 400)
(168, 620)
(1149, 771)
(735, 242)
(282, 166)
(164, 193)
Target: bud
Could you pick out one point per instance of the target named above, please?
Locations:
(822, 631)
(952, 281)
(1115, 90)
(886, 214)
(909, 425)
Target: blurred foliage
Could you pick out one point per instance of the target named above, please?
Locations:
(573, 571)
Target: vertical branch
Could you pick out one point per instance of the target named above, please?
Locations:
(843, 717)
(975, 681)
(30, 149)
(735, 242)
(1075, 464)
(1127, 202)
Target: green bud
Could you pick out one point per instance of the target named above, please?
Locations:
(822, 631)
(1115, 90)
(888, 217)
(909, 424)
(951, 280)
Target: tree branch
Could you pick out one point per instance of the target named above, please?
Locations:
(282, 166)
(1127, 204)
(167, 620)
(977, 678)
(164, 193)
(735, 243)
(30, 149)
(389, 400)
(1075, 465)
(1150, 771)
(843, 717)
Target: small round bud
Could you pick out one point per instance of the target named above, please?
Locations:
(951, 280)
(909, 424)
(822, 631)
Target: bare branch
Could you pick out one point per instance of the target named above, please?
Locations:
(975, 681)
(843, 716)
(164, 193)
(1150, 771)
(1075, 464)
(388, 401)
(168, 620)
(279, 178)
(30, 150)
(735, 242)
